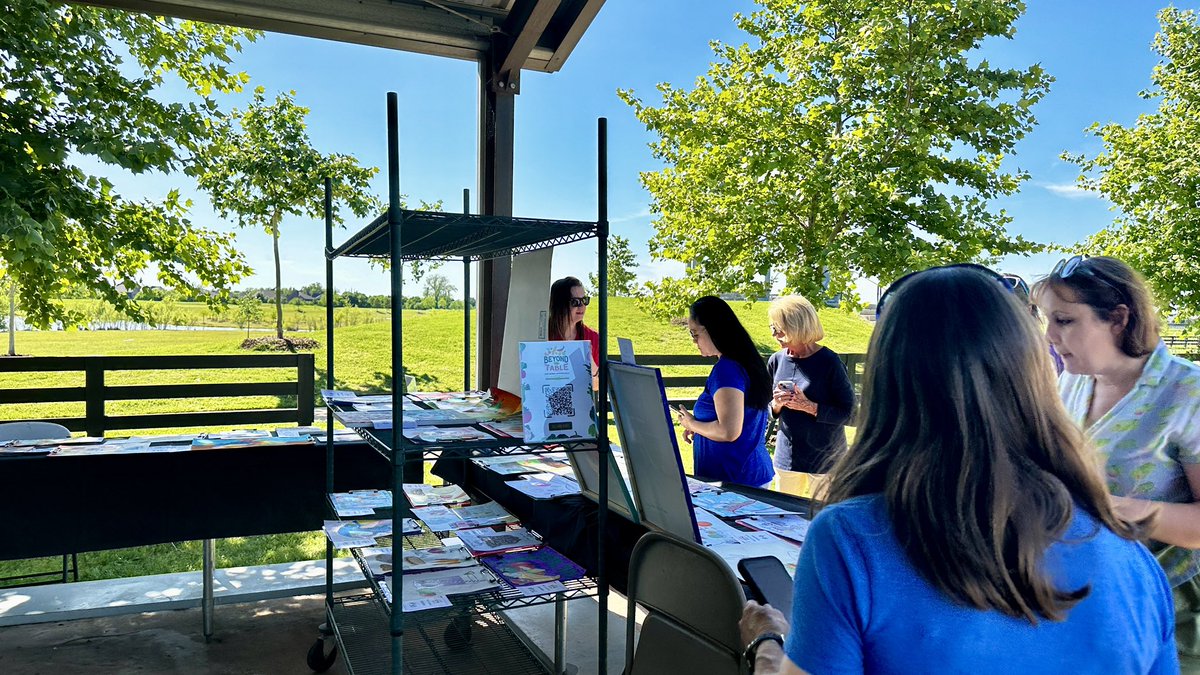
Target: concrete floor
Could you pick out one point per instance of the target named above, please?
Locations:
(268, 636)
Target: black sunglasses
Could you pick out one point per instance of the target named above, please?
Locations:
(1004, 281)
(580, 302)
(1069, 267)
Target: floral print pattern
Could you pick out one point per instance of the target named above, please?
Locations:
(1147, 437)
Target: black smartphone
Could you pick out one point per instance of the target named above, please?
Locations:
(768, 582)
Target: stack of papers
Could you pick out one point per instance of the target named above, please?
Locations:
(360, 502)
(247, 442)
(442, 519)
(733, 505)
(713, 531)
(428, 590)
(544, 486)
(362, 533)
(379, 559)
(420, 494)
(485, 541)
(460, 434)
(792, 527)
(758, 544)
(547, 465)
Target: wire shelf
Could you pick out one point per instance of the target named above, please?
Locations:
(431, 235)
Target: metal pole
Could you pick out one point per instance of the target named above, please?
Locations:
(329, 377)
(206, 608)
(400, 510)
(466, 304)
(602, 395)
(560, 634)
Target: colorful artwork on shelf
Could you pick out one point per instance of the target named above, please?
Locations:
(528, 568)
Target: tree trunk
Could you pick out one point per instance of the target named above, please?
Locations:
(278, 283)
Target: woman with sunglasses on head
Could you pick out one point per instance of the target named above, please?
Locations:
(1139, 405)
(568, 304)
(813, 398)
(966, 530)
(728, 426)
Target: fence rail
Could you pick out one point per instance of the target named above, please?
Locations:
(1182, 345)
(95, 393)
(854, 366)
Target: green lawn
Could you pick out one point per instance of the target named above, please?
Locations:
(433, 353)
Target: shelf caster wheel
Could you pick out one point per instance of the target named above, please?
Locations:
(318, 660)
(458, 633)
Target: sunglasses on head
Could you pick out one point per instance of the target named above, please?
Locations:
(580, 302)
(1077, 265)
(1004, 281)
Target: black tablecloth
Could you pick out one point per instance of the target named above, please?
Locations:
(569, 524)
(55, 505)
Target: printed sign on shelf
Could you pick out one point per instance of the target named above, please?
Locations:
(556, 390)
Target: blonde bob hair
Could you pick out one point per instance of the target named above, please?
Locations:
(797, 318)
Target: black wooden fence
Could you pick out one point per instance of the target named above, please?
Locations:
(95, 393)
(854, 365)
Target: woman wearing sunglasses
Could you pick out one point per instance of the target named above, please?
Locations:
(966, 530)
(728, 425)
(1141, 408)
(568, 303)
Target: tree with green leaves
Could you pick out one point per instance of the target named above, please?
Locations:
(247, 312)
(262, 167)
(622, 281)
(848, 139)
(77, 84)
(1150, 171)
(437, 287)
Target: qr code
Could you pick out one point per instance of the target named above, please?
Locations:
(560, 401)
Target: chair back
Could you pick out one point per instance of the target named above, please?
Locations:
(32, 431)
(693, 603)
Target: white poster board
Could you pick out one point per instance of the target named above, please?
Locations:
(528, 315)
(660, 492)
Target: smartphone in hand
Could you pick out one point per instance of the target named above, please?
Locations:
(768, 581)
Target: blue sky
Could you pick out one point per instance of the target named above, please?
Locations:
(1098, 51)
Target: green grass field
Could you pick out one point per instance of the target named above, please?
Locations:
(433, 344)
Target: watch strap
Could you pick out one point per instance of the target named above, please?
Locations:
(751, 652)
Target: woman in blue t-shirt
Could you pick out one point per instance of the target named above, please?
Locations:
(728, 426)
(967, 528)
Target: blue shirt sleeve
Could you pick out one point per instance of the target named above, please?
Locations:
(826, 631)
(727, 373)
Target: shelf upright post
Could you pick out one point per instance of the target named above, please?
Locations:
(328, 377)
(602, 395)
(400, 509)
(466, 303)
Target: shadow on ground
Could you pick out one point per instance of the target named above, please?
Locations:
(270, 636)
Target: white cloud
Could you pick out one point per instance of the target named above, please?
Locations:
(640, 215)
(1070, 191)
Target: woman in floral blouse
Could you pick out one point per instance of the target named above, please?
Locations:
(1141, 407)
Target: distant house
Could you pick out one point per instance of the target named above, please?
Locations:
(130, 293)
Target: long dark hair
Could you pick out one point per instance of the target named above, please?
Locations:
(731, 339)
(962, 431)
(560, 310)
